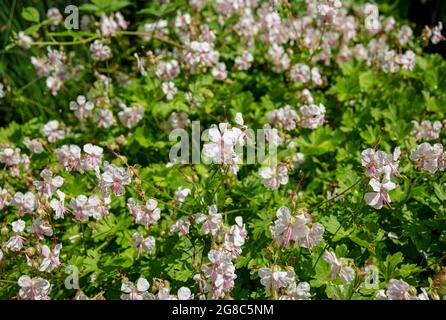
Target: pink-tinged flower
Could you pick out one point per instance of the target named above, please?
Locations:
(41, 228)
(212, 222)
(136, 292)
(52, 132)
(10, 157)
(274, 176)
(398, 290)
(24, 203)
(285, 117)
(219, 273)
(300, 73)
(55, 16)
(299, 228)
(379, 197)
(146, 215)
(244, 61)
(181, 226)
(429, 157)
(345, 272)
(312, 116)
(104, 118)
(426, 130)
(93, 158)
(15, 243)
(436, 33)
(48, 185)
(81, 107)
(219, 72)
(69, 156)
(274, 278)
(184, 294)
(169, 89)
(130, 117)
(141, 244)
(34, 289)
(50, 258)
(34, 145)
(99, 51)
(167, 70)
(378, 162)
(114, 179)
(108, 25)
(299, 291)
(59, 205)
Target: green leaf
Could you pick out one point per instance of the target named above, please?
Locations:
(31, 14)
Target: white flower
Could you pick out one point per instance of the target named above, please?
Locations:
(59, 205)
(52, 132)
(34, 145)
(145, 215)
(131, 116)
(99, 51)
(24, 202)
(274, 176)
(312, 116)
(34, 289)
(274, 278)
(93, 159)
(24, 40)
(48, 185)
(181, 226)
(346, 273)
(138, 292)
(114, 179)
(184, 294)
(379, 196)
(299, 291)
(181, 194)
(50, 259)
(169, 89)
(212, 222)
(429, 157)
(142, 244)
(81, 107)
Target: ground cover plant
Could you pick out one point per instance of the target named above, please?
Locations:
(318, 171)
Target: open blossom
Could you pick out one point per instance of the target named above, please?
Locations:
(181, 194)
(220, 273)
(93, 157)
(34, 288)
(24, 202)
(114, 179)
(312, 116)
(379, 197)
(52, 132)
(136, 292)
(285, 117)
(81, 107)
(59, 205)
(99, 51)
(130, 117)
(427, 130)
(274, 278)
(15, 243)
(328, 9)
(378, 162)
(50, 258)
(103, 118)
(296, 291)
(244, 61)
(69, 156)
(41, 228)
(429, 157)
(219, 71)
(212, 222)
(274, 176)
(84, 207)
(167, 70)
(181, 226)
(55, 16)
(48, 185)
(339, 267)
(400, 290)
(299, 228)
(436, 33)
(141, 244)
(169, 89)
(145, 215)
(34, 145)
